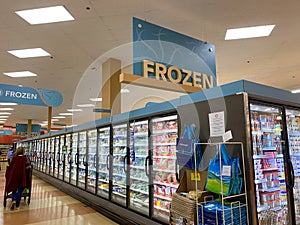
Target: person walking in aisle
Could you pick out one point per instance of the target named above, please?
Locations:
(10, 154)
(16, 177)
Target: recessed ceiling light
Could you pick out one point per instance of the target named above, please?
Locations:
(45, 15)
(29, 53)
(66, 114)
(3, 116)
(20, 74)
(5, 113)
(86, 105)
(6, 109)
(295, 91)
(124, 91)
(249, 32)
(74, 110)
(58, 117)
(8, 103)
(96, 99)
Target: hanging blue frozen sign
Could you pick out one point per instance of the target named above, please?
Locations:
(167, 55)
(29, 96)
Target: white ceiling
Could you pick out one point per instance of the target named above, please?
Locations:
(105, 27)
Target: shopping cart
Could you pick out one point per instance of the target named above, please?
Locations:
(27, 190)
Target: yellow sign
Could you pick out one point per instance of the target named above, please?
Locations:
(193, 177)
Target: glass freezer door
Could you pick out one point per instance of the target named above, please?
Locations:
(63, 153)
(52, 155)
(139, 181)
(57, 156)
(82, 159)
(103, 165)
(119, 167)
(268, 161)
(164, 134)
(74, 159)
(92, 161)
(44, 150)
(293, 126)
(67, 157)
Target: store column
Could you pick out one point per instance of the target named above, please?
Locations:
(29, 126)
(49, 118)
(111, 87)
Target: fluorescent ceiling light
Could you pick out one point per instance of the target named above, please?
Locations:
(74, 110)
(58, 117)
(249, 32)
(45, 15)
(124, 91)
(3, 116)
(6, 109)
(8, 103)
(86, 105)
(54, 120)
(20, 74)
(3, 119)
(96, 99)
(5, 113)
(29, 53)
(296, 91)
(66, 114)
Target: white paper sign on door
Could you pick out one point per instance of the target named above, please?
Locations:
(216, 124)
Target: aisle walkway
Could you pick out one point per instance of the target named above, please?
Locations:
(48, 206)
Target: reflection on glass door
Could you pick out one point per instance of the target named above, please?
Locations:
(39, 154)
(293, 125)
(74, 159)
(92, 160)
(139, 181)
(164, 134)
(67, 157)
(47, 151)
(52, 155)
(103, 157)
(119, 170)
(82, 159)
(268, 161)
(44, 155)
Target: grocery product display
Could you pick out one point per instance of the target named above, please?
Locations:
(51, 147)
(92, 160)
(270, 182)
(293, 127)
(74, 159)
(119, 165)
(139, 165)
(82, 161)
(164, 134)
(103, 164)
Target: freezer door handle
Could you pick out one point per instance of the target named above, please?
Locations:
(124, 160)
(146, 166)
(76, 158)
(107, 164)
(292, 174)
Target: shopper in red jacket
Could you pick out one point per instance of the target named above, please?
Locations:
(16, 177)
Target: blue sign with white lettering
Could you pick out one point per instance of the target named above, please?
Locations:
(159, 44)
(29, 96)
(22, 128)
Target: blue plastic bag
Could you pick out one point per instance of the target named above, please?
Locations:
(223, 174)
(185, 148)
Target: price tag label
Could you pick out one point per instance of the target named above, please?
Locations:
(226, 171)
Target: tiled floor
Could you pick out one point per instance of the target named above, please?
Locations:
(48, 206)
